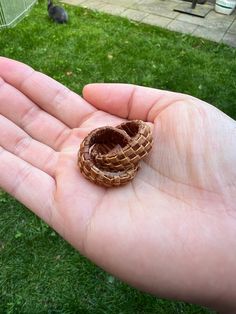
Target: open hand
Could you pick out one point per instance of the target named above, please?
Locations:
(172, 230)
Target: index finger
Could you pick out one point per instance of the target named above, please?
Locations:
(47, 93)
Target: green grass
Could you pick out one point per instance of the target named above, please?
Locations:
(39, 272)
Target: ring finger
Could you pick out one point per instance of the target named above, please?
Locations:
(19, 143)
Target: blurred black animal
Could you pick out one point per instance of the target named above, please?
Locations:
(58, 14)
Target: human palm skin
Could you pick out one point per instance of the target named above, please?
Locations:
(172, 230)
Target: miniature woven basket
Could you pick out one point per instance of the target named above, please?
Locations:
(110, 156)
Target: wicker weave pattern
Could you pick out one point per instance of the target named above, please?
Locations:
(109, 156)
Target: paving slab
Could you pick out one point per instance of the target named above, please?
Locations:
(229, 39)
(93, 4)
(212, 20)
(156, 20)
(208, 33)
(216, 27)
(182, 27)
(125, 3)
(156, 7)
(160, 3)
(113, 9)
(73, 2)
(134, 15)
(232, 28)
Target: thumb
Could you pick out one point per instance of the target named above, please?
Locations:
(130, 101)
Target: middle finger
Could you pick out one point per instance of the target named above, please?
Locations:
(40, 125)
(19, 143)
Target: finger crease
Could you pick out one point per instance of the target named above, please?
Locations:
(22, 145)
(58, 100)
(61, 137)
(86, 118)
(2, 83)
(149, 112)
(29, 76)
(2, 150)
(21, 177)
(130, 102)
(28, 116)
(49, 163)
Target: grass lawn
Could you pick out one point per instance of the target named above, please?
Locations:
(40, 272)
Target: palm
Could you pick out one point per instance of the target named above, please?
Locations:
(174, 208)
(159, 184)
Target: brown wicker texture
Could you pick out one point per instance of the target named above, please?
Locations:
(109, 156)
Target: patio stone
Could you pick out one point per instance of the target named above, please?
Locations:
(208, 33)
(134, 14)
(157, 20)
(125, 3)
(93, 4)
(216, 27)
(170, 5)
(232, 28)
(113, 9)
(182, 27)
(213, 15)
(155, 7)
(212, 21)
(73, 2)
(229, 39)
